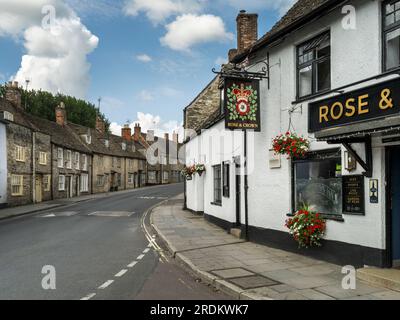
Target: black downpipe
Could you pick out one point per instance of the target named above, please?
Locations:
(246, 188)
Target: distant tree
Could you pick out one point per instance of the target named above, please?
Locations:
(42, 104)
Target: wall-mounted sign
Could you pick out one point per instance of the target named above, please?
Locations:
(242, 104)
(373, 191)
(370, 103)
(353, 195)
(274, 160)
(350, 161)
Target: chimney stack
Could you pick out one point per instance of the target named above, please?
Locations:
(61, 114)
(138, 132)
(247, 30)
(100, 125)
(13, 94)
(175, 138)
(126, 133)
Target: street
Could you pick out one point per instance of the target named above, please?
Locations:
(98, 250)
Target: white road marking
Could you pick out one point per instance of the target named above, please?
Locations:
(150, 245)
(89, 296)
(121, 273)
(48, 216)
(146, 250)
(134, 263)
(140, 257)
(106, 284)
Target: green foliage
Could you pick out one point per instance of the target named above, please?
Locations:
(42, 104)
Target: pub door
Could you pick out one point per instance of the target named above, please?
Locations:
(395, 205)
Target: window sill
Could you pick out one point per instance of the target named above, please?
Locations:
(313, 96)
(219, 204)
(333, 217)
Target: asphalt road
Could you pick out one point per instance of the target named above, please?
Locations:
(98, 250)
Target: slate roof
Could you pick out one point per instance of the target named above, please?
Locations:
(69, 136)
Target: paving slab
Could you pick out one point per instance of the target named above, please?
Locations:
(251, 271)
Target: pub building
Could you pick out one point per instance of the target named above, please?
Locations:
(329, 71)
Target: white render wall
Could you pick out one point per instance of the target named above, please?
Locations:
(3, 163)
(355, 55)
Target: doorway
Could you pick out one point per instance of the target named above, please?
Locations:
(238, 184)
(38, 189)
(393, 233)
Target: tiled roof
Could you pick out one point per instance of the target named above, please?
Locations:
(299, 13)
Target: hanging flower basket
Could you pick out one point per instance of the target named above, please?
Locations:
(291, 144)
(188, 172)
(200, 168)
(307, 228)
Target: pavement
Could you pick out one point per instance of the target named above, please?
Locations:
(95, 248)
(249, 271)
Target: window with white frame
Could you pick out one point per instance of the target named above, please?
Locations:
(391, 34)
(8, 116)
(69, 159)
(20, 154)
(60, 158)
(43, 158)
(217, 185)
(17, 185)
(46, 182)
(106, 143)
(165, 175)
(84, 183)
(61, 183)
(152, 176)
(123, 146)
(84, 162)
(77, 161)
(131, 178)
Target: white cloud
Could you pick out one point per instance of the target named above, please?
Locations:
(146, 96)
(147, 122)
(189, 30)
(56, 56)
(158, 11)
(144, 58)
(220, 61)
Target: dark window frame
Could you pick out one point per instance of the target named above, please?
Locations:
(313, 62)
(226, 179)
(315, 156)
(217, 185)
(385, 31)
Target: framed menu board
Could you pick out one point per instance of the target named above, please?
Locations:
(353, 195)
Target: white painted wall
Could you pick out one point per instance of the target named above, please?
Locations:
(3, 163)
(355, 55)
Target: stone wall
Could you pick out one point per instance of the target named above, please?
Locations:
(19, 136)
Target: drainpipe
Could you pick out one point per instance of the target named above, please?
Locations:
(92, 171)
(51, 172)
(246, 188)
(33, 167)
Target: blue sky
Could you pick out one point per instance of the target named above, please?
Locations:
(131, 68)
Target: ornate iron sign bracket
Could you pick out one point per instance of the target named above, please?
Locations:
(240, 72)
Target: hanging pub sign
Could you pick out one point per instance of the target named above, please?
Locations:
(353, 195)
(377, 101)
(242, 104)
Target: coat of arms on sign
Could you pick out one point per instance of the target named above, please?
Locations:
(242, 104)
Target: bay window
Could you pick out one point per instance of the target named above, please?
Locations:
(318, 183)
(391, 34)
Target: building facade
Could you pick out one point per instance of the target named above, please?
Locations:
(3, 162)
(347, 106)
